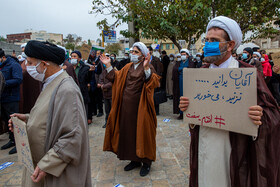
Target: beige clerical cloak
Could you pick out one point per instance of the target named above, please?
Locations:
(58, 136)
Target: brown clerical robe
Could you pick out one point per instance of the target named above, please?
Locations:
(131, 126)
(253, 163)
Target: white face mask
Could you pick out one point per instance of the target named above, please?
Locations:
(125, 57)
(171, 58)
(74, 61)
(112, 57)
(184, 57)
(134, 58)
(197, 58)
(32, 70)
(179, 59)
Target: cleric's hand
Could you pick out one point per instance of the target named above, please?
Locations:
(255, 113)
(184, 103)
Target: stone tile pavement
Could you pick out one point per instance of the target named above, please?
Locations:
(171, 167)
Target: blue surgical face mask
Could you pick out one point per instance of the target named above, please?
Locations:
(244, 56)
(212, 49)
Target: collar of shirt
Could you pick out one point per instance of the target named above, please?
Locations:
(136, 65)
(222, 65)
(51, 78)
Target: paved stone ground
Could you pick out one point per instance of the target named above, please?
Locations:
(171, 167)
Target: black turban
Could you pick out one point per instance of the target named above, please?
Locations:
(45, 51)
(249, 50)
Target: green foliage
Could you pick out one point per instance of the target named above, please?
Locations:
(70, 46)
(2, 39)
(187, 20)
(113, 48)
(89, 42)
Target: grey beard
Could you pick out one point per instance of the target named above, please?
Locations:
(213, 59)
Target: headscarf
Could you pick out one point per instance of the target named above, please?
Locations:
(45, 51)
(258, 54)
(185, 50)
(144, 50)
(229, 26)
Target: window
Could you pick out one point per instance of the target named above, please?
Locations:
(167, 46)
(173, 46)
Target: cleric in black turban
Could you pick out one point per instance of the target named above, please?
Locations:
(45, 51)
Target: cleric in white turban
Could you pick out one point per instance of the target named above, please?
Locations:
(230, 26)
(224, 158)
(131, 126)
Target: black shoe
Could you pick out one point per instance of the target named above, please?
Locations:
(180, 117)
(104, 126)
(13, 151)
(132, 165)
(8, 145)
(145, 170)
(99, 114)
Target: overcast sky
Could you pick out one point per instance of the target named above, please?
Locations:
(55, 16)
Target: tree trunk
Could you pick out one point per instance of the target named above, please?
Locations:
(176, 43)
(213, 9)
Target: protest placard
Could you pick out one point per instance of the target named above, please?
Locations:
(22, 144)
(276, 59)
(220, 98)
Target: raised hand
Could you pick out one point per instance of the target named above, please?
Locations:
(106, 60)
(147, 61)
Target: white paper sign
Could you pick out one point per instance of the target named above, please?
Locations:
(220, 98)
(22, 144)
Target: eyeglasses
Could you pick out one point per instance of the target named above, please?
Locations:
(134, 51)
(214, 40)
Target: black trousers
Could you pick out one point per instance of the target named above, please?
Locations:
(98, 99)
(6, 110)
(108, 106)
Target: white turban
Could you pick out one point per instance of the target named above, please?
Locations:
(131, 49)
(185, 50)
(172, 54)
(257, 53)
(23, 45)
(178, 55)
(144, 50)
(107, 54)
(198, 54)
(230, 26)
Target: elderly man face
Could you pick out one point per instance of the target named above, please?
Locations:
(98, 53)
(40, 64)
(255, 56)
(226, 46)
(75, 56)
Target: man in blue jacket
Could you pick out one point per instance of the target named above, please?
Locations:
(10, 97)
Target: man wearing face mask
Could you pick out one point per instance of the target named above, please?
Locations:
(155, 61)
(83, 74)
(131, 126)
(10, 97)
(186, 62)
(247, 57)
(234, 159)
(124, 61)
(197, 60)
(56, 126)
(169, 81)
(114, 63)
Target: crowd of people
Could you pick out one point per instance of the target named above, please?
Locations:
(57, 96)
